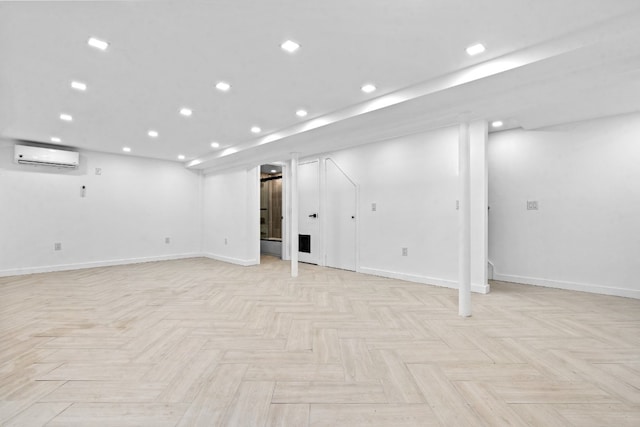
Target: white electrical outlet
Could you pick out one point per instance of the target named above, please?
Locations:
(374, 207)
(98, 171)
(167, 240)
(225, 241)
(57, 246)
(532, 205)
(405, 251)
(457, 204)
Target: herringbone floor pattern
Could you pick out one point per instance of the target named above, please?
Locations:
(200, 342)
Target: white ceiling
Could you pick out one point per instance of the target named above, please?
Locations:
(547, 62)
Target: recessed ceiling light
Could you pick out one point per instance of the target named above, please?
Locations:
(55, 139)
(79, 86)
(98, 44)
(273, 171)
(475, 49)
(126, 149)
(290, 46)
(66, 117)
(215, 144)
(153, 133)
(256, 129)
(368, 88)
(181, 157)
(223, 86)
(186, 112)
(301, 113)
(497, 124)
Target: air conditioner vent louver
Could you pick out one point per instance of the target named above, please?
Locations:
(42, 156)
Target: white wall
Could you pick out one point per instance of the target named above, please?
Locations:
(586, 179)
(128, 211)
(414, 182)
(231, 216)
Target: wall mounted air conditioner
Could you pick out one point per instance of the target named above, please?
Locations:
(42, 156)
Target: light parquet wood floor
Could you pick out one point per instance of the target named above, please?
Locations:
(201, 342)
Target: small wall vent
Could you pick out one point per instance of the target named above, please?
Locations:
(304, 243)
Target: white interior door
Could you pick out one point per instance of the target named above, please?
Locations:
(308, 208)
(340, 219)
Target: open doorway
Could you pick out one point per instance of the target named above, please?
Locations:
(271, 210)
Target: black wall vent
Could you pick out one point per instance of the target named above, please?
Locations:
(304, 243)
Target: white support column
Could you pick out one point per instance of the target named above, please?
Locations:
(478, 135)
(322, 213)
(293, 235)
(464, 221)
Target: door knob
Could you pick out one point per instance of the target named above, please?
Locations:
(314, 215)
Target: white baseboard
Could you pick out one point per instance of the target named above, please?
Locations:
(93, 264)
(238, 261)
(478, 288)
(571, 286)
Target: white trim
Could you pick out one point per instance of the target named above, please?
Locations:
(434, 281)
(253, 212)
(571, 286)
(94, 264)
(294, 219)
(238, 261)
(286, 211)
